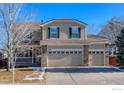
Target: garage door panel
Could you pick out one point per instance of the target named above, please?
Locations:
(57, 60)
(96, 58)
(63, 59)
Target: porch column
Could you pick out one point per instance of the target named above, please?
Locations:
(44, 56)
(32, 55)
(86, 55)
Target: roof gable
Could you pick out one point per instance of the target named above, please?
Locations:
(65, 20)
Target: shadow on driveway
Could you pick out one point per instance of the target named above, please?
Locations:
(83, 70)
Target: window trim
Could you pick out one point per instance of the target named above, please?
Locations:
(58, 32)
(71, 32)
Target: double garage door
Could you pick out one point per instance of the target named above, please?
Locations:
(65, 57)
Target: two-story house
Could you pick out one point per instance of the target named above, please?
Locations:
(64, 42)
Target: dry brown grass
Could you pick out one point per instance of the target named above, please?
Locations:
(20, 73)
(5, 77)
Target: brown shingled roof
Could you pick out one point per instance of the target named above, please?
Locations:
(96, 37)
(32, 24)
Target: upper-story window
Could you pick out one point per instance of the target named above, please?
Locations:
(53, 32)
(74, 32)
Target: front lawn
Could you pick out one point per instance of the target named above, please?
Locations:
(20, 74)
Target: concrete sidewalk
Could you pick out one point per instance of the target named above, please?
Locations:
(84, 76)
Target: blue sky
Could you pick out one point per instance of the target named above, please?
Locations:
(95, 15)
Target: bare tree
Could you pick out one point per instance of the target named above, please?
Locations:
(14, 32)
(112, 28)
(21, 40)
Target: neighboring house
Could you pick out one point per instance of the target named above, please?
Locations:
(64, 42)
(3, 57)
(3, 54)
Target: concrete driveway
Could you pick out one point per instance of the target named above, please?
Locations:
(84, 76)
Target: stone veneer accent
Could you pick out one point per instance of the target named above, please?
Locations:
(85, 56)
(106, 50)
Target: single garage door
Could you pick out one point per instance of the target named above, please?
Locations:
(96, 58)
(65, 57)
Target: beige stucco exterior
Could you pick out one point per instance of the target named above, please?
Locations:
(64, 29)
(96, 46)
(65, 47)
